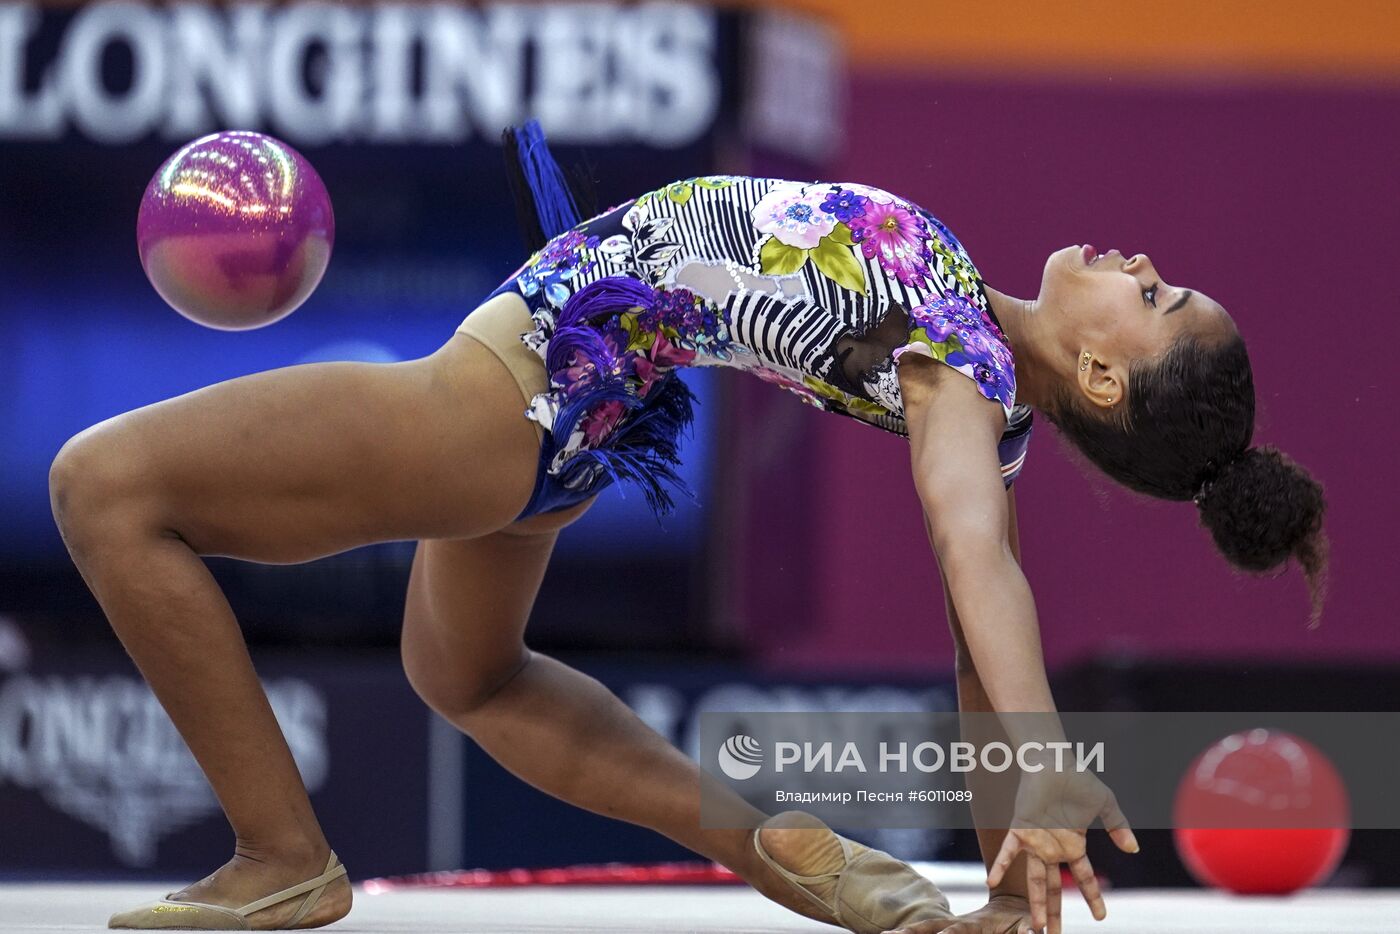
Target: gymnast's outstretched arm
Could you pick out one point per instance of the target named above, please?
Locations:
(960, 487)
(970, 526)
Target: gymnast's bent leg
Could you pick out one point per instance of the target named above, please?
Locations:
(566, 734)
(549, 724)
(278, 467)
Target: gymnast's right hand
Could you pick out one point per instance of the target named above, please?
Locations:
(1054, 809)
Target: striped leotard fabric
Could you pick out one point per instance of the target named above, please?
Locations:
(816, 287)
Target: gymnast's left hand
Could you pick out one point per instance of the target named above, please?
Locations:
(1054, 809)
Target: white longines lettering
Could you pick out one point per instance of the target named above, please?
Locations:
(316, 72)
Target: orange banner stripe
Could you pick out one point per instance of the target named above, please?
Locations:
(1302, 38)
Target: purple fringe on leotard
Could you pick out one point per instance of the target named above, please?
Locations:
(589, 371)
(576, 329)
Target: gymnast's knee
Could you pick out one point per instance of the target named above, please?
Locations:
(459, 697)
(100, 488)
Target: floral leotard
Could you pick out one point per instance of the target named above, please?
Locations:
(815, 287)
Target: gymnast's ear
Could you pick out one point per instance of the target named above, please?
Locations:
(1103, 383)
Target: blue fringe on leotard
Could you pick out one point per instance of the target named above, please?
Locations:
(554, 202)
(643, 448)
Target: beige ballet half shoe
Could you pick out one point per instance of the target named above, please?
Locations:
(197, 916)
(874, 891)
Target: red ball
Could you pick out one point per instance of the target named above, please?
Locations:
(235, 230)
(1261, 813)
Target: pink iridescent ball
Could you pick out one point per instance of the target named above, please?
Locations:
(235, 230)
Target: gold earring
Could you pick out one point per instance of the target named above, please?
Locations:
(1110, 400)
(1084, 363)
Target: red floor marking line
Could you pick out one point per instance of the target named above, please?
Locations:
(605, 874)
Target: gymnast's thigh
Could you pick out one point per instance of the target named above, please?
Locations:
(297, 463)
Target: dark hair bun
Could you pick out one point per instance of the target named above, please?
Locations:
(1262, 509)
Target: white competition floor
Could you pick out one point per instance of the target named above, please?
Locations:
(46, 907)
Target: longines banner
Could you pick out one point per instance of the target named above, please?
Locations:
(316, 72)
(100, 750)
(94, 776)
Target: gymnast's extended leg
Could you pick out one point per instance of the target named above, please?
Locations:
(559, 729)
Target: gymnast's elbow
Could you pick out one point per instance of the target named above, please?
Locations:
(965, 543)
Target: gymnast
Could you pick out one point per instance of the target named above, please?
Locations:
(566, 379)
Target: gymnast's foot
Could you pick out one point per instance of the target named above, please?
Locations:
(844, 882)
(244, 881)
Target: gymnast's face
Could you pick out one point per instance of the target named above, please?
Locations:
(1119, 309)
